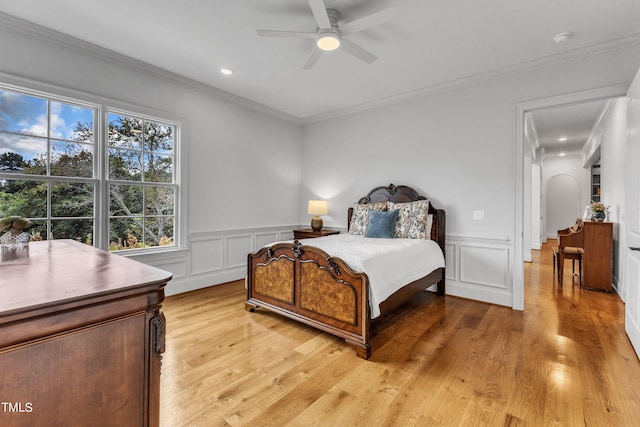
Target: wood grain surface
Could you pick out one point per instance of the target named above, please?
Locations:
(565, 360)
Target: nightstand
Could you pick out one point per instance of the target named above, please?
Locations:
(307, 233)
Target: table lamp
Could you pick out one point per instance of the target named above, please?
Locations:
(317, 208)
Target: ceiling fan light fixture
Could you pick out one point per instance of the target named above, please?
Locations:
(328, 34)
(328, 41)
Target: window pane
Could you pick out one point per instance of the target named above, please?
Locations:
(56, 144)
(23, 154)
(72, 199)
(125, 132)
(71, 122)
(158, 168)
(11, 162)
(80, 230)
(159, 201)
(125, 164)
(23, 198)
(125, 233)
(125, 200)
(159, 231)
(158, 137)
(22, 113)
(71, 159)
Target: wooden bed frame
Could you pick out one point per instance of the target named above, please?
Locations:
(306, 284)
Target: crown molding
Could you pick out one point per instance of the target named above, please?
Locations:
(595, 138)
(532, 136)
(596, 128)
(591, 50)
(86, 48)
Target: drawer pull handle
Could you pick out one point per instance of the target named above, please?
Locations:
(634, 248)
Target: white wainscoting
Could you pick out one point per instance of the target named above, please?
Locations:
(173, 261)
(478, 267)
(220, 256)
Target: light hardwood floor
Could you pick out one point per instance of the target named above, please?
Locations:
(565, 360)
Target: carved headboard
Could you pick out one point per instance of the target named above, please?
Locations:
(392, 193)
(404, 194)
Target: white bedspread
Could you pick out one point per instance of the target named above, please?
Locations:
(389, 263)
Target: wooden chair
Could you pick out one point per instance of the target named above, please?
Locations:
(568, 230)
(570, 246)
(554, 249)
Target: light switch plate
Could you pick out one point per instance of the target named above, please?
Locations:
(478, 215)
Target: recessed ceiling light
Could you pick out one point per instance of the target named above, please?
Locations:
(226, 71)
(562, 154)
(562, 37)
(562, 139)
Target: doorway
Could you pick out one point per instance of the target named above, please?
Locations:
(523, 176)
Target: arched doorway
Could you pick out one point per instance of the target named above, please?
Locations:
(562, 201)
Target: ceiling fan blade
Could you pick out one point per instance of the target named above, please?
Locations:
(368, 21)
(293, 34)
(357, 51)
(320, 13)
(313, 58)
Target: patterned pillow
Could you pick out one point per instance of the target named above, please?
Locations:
(413, 218)
(360, 217)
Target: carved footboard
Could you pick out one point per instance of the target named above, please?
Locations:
(306, 284)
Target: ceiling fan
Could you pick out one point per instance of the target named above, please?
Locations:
(330, 36)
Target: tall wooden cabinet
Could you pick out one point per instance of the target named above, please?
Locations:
(81, 338)
(597, 264)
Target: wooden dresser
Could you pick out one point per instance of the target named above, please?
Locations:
(81, 338)
(597, 264)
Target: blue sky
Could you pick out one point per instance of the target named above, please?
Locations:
(26, 120)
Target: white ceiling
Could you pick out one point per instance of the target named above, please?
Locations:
(429, 44)
(574, 122)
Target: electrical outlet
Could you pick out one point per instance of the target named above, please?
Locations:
(478, 215)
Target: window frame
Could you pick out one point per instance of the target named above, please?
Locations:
(100, 180)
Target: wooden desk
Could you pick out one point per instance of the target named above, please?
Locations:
(81, 337)
(597, 263)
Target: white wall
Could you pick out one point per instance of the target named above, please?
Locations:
(527, 192)
(532, 216)
(242, 166)
(613, 181)
(562, 181)
(536, 213)
(458, 148)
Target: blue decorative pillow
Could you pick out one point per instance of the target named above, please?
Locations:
(360, 216)
(381, 223)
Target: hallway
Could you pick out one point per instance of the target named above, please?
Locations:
(594, 358)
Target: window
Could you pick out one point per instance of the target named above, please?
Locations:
(140, 180)
(51, 152)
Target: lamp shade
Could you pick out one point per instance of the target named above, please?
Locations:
(317, 207)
